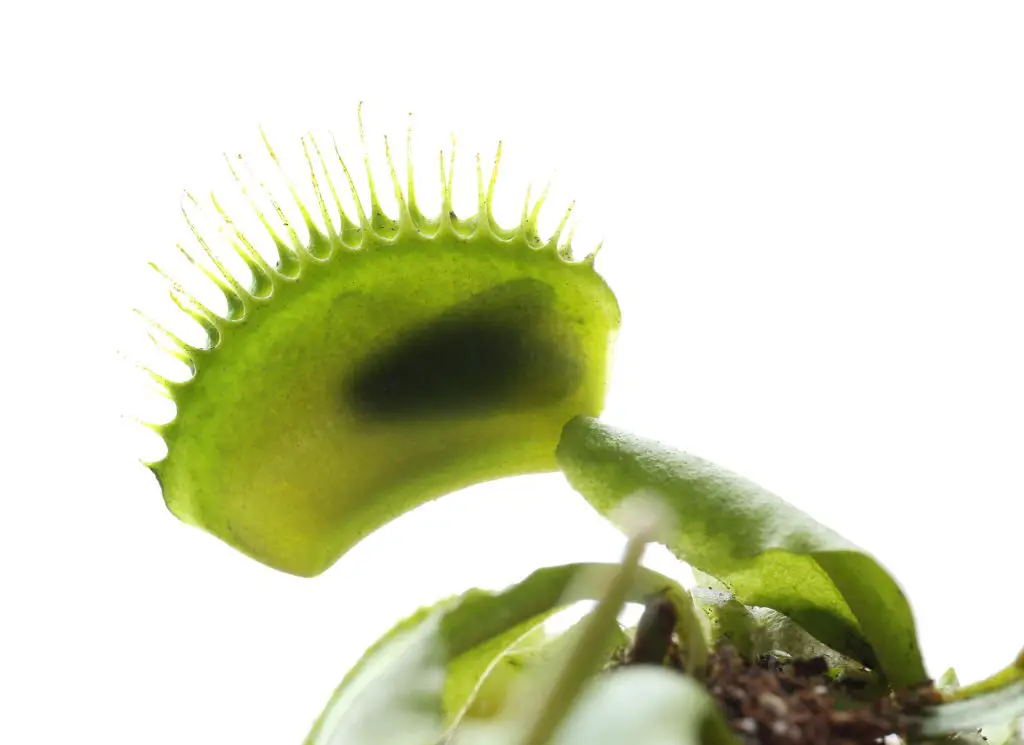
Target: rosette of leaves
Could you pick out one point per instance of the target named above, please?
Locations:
(377, 362)
(698, 668)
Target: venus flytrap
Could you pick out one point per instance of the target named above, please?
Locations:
(382, 361)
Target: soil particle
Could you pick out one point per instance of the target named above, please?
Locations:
(767, 703)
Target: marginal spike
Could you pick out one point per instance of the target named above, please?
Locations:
(404, 218)
(376, 213)
(154, 427)
(262, 284)
(319, 247)
(152, 381)
(451, 173)
(171, 281)
(160, 430)
(364, 223)
(163, 383)
(524, 218)
(176, 340)
(291, 186)
(317, 192)
(288, 264)
(298, 250)
(236, 309)
(410, 184)
(153, 465)
(446, 204)
(215, 278)
(236, 295)
(482, 221)
(193, 308)
(165, 345)
(199, 313)
(347, 226)
(490, 186)
(535, 213)
(328, 222)
(530, 224)
(481, 194)
(561, 225)
(565, 250)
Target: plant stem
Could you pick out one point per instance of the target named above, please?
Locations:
(586, 656)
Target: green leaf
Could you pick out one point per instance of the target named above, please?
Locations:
(948, 681)
(643, 704)
(648, 705)
(727, 618)
(1012, 672)
(765, 550)
(756, 631)
(996, 701)
(483, 698)
(547, 708)
(394, 698)
(995, 707)
(468, 693)
(396, 693)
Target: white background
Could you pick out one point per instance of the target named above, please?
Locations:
(813, 219)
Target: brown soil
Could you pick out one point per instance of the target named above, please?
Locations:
(766, 702)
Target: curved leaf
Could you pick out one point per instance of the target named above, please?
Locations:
(470, 693)
(484, 696)
(997, 700)
(643, 704)
(396, 693)
(756, 631)
(995, 707)
(1009, 674)
(555, 703)
(765, 550)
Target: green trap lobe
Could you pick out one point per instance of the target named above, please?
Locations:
(504, 348)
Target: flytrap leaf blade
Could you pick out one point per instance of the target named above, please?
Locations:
(381, 364)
